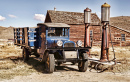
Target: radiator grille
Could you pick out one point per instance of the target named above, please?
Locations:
(69, 45)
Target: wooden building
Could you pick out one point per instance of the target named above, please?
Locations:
(120, 30)
(120, 36)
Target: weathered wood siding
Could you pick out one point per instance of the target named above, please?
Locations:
(77, 32)
(116, 37)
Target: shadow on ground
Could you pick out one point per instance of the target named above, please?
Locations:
(39, 66)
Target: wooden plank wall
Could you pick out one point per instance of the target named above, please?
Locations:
(21, 36)
(77, 32)
(116, 37)
(15, 35)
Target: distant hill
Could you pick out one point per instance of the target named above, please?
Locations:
(6, 33)
(121, 22)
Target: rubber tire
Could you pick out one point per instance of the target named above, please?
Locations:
(84, 66)
(37, 55)
(73, 63)
(50, 68)
(25, 54)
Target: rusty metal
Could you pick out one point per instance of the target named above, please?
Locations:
(105, 18)
(87, 21)
(87, 35)
(105, 44)
(87, 38)
(105, 5)
(107, 39)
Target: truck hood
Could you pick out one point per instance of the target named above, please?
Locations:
(52, 43)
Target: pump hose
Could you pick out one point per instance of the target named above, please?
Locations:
(112, 46)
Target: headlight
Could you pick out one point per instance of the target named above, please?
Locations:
(79, 43)
(59, 43)
(32, 47)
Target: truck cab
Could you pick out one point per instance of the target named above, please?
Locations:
(56, 47)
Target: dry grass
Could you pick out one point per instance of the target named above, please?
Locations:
(11, 63)
(9, 69)
(123, 67)
(8, 51)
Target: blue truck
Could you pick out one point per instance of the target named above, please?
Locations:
(51, 44)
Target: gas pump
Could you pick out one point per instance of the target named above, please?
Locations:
(105, 18)
(87, 21)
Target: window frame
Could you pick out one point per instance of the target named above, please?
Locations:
(65, 31)
(123, 37)
(91, 36)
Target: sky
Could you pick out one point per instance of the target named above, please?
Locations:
(27, 13)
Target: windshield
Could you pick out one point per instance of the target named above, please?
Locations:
(58, 32)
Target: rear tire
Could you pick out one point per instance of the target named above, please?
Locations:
(82, 65)
(50, 63)
(25, 54)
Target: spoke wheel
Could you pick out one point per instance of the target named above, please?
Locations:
(82, 65)
(50, 63)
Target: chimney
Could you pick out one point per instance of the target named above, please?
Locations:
(54, 9)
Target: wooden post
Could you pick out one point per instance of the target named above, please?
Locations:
(20, 35)
(26, 36)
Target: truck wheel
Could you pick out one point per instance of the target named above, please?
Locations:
(50, 63)
(37, 55)
(25, 54)
(82, 65)
(73, 63)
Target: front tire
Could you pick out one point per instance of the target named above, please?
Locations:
(50, 63)
(25, 54)
(82, 65)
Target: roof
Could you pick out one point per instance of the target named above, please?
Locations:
(69, 17)
(122, 22)
(55, 24)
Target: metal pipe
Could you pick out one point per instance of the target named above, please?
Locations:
(87, 35)
(105, 18)
(87, 38)
(103, 46)
(87, 21)
(107, 47)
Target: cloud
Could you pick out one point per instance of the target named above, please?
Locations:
(99, 13)
(40, 17)
(12, 16)
(2, 18)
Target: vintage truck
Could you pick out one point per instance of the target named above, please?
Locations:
(50, 43)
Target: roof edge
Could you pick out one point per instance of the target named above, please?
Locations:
(54, 24)
(120, 28)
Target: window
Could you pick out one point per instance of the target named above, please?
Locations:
(58, 32)
(122, 37)
(91, 35)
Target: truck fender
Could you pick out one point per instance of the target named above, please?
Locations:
(83, 51)
(46, 53)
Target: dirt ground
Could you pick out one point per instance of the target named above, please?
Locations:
(13, 69)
